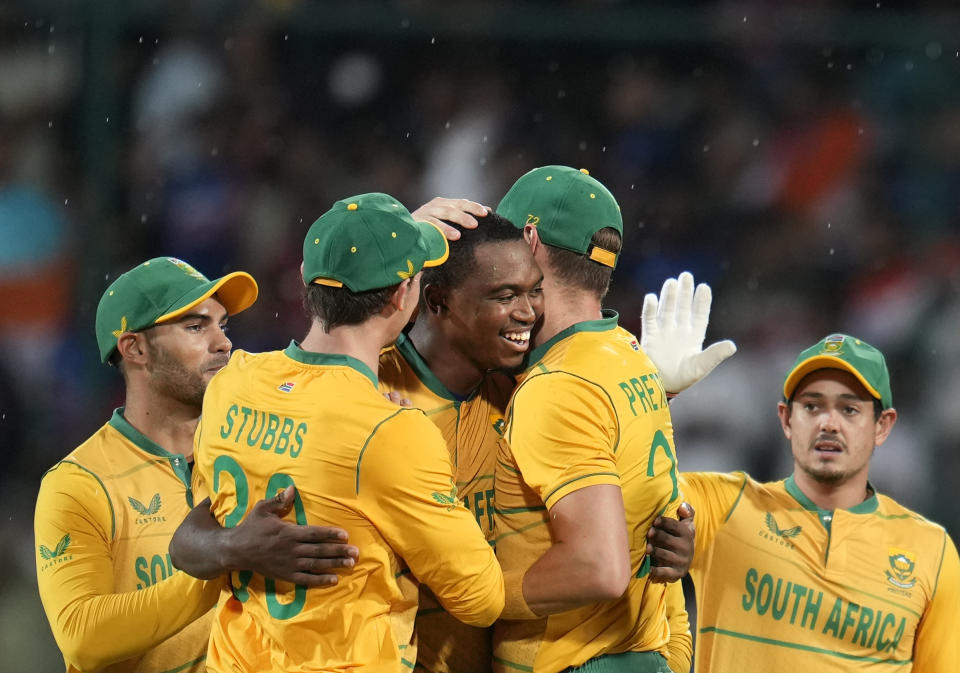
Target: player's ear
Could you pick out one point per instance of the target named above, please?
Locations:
(531, 236)
(132, 347)
(783, 412)
(884, 425)
(435, 298)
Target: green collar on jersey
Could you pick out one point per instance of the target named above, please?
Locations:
(866, 507)
(177, 460)
(295, 352)
(607, 322)
(409, 353)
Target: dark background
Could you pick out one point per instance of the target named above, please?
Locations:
(803, 158)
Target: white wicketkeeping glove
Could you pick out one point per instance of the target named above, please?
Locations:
(673, 332)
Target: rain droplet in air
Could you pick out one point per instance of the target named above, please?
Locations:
(831, 251)
(433, 40)
(706, 148)
(756, 142)
(143, 219)
(447, 125)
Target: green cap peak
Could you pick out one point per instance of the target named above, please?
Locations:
(841, 351)
(159, 290)
(567, 206)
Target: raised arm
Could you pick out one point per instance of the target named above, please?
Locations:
(674, 328)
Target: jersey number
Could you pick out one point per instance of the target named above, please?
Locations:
(277, 482)
(659, 442)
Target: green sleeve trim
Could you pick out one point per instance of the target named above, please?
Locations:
(519, 510)
(113, 516)
(584, 476)
(736, 502)
(805, 648)
(366, 443)
(508, 468)
(187, 665)
(408, 664)
(513, 665)
(943, 553)
(522, 529)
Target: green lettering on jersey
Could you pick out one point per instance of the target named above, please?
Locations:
(298, 440)
(631, 396)
(273, 422)
(283, 441)
(750, 581)
(225, 430)
(833, 621)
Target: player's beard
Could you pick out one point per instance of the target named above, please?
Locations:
(172, 379)
(829, 475)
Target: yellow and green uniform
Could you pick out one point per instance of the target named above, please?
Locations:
(590, 410)
(783, 585)
(359, 462)
(471, 428)
(105, 515)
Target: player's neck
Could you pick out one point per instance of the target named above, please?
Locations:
(166, 422)
(564, 307)
(362, 342)
(826, 496)
(457, 373)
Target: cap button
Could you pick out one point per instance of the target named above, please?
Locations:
(352, 206)
(593, 196)
(549, 178)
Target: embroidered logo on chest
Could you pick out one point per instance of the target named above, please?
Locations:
(775, 533)
(902, 564)
(149, 513)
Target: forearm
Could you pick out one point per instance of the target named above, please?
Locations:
(94, 631)
(563, 579)
(200, 546)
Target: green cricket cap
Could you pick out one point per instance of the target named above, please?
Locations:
(162, 289)
(841, 351)
(368, 242)
(567, 206)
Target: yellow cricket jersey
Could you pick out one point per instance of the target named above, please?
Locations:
(359, 462)
(471, 428)
(590, 410)
(104, 518)
(785, 586)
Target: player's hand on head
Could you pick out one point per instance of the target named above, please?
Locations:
(670, 545)
(398, 399)
(445, 213)
(283, 550)
(673, 329)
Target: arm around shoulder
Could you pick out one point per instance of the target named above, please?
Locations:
(406, 479)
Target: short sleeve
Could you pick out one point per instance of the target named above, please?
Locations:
(562, 434)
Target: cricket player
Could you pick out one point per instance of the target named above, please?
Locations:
(312, 415)
(106, 512)
(820, 571)
(587, 461)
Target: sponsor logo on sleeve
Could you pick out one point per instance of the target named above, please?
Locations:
(56, 555)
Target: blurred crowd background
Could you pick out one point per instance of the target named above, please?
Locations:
(802, 158)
